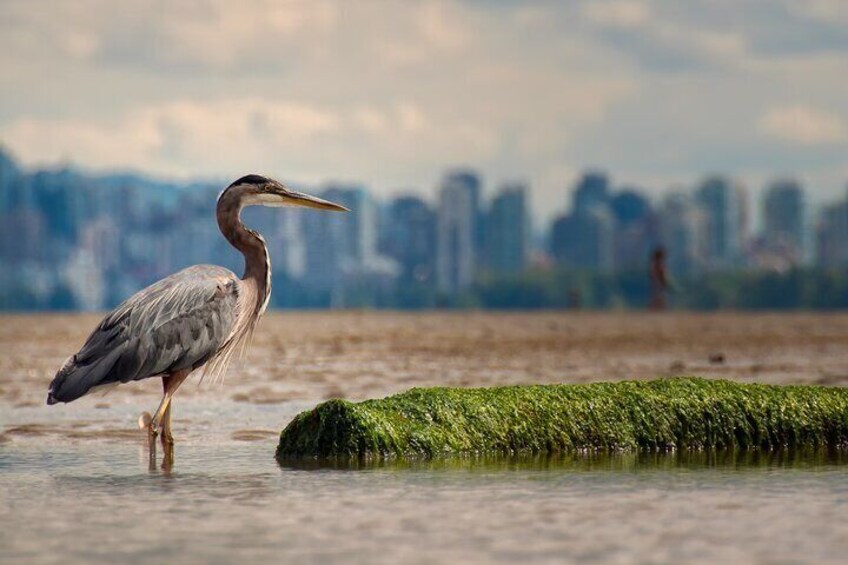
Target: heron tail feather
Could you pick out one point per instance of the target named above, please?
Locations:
(75, 380)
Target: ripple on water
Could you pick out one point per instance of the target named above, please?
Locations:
(231, 501)
(254, 435)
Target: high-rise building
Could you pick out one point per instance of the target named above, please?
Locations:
(681, 227)
(508, 230)
(289, 241)
(723, 205)
(411, 238)
(283, 233)
(832, 236)
(783, 220)
(61, 196)
(322, 254)
(9, 183)
(457, 222)
(470, 180)
(357, 228)
(584, 240)
(592, 191)
(340, 255)
(338, 243)
(635, 229)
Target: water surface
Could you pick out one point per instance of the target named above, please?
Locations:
(82, 499)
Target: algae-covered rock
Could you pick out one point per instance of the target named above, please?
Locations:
(681, 413)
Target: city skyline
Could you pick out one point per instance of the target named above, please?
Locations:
(490, 186)
(88, 241)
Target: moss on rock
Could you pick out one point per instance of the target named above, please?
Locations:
(679, 413)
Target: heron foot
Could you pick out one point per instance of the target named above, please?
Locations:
(168, 459)
(166, 437)
(160, 429)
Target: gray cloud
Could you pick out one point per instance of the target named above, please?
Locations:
(390, 93)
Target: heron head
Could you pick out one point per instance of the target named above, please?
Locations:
(262, 191)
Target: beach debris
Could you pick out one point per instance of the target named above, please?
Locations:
(677, 367)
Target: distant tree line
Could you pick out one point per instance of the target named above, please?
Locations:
(814, 289)
(810, 289)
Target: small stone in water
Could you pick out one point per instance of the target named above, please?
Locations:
(144, 420)
(717, 358)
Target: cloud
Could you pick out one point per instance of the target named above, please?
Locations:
(830, 12)
(302, 141)
(803, 125)
(662, 40)
(219, 35)
(620, 14)
(174, 133)
(391, 93)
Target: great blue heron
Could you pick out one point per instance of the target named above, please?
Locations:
(197, 317)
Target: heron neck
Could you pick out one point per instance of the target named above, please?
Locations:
(257, 263)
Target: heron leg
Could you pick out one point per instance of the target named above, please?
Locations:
(170, 384)
(167, 440)
(166, 436)
(160, 422)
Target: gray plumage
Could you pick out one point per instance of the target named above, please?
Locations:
(178, 323)
(198, 317)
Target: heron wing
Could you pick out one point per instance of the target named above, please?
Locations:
(177, 323)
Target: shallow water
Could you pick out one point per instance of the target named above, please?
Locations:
(75, 484)
(83, 499)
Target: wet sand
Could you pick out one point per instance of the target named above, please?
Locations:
(314, 356)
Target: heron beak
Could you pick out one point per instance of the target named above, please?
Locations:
(294, 198)
(307, 201)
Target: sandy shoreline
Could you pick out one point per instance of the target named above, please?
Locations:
(317, 355)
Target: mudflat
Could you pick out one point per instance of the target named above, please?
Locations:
(317, 355)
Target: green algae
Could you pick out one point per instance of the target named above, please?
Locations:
(659, 415)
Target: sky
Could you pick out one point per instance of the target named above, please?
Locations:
(391, 94)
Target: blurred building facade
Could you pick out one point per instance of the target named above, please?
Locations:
(832, 235)
(724, 207)
(783, 216)
(507, 236)
(458, 221)
(635, 229)
(410, 238)
(682, 233)
(584, 238)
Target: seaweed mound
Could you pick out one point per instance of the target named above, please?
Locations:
(659, 415)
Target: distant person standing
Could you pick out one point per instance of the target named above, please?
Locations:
(659, 280)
